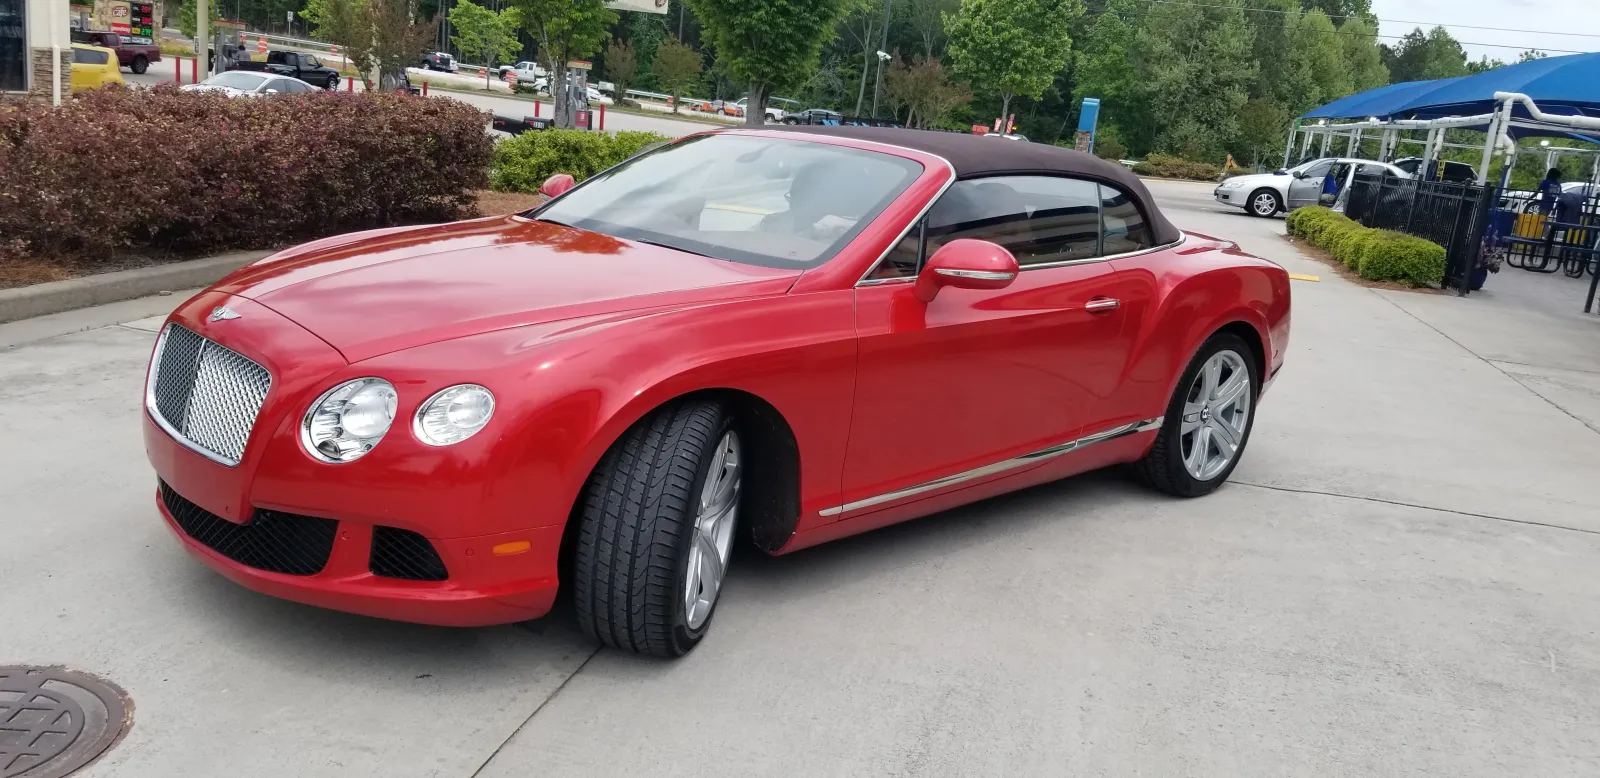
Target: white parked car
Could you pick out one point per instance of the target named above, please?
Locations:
(774, 113)
(1281, 191)
(242, 83)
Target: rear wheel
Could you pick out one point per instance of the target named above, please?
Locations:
(1264, 202)
(1208, 421)
(140, 64)
(656, 530)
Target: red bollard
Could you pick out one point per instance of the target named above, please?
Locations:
(194, 70)
(177, 69)
(424, 89)
(349, 85)
(602, 117)
(536, 109)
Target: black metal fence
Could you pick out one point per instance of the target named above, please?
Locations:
(1451, 214)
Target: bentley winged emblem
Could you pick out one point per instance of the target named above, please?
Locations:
(221, 313)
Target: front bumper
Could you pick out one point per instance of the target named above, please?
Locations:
(1229, 196)
(447, 501)
(482, 588)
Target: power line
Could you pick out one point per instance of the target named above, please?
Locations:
(1339, 32)
(1396, 21)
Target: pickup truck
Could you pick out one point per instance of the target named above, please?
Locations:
(134, 56)
(294, 64)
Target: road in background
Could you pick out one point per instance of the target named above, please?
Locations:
(162, 73)
(1399, 579)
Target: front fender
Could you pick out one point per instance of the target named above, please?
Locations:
(566, 391)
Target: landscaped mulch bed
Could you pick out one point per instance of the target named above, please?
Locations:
(27, 272)
(1312, 252)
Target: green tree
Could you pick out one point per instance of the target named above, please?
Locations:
(1363, 55)
(1263, 129)
(1531, 55)
(770, 44)
(1340, 9)
(485, 33)
(1423, 56)
(396, 40)
(566, 30)
(924, 90)
(622, 66)
(677, 67)
(927, 21)
(1014, 47)
(1197, 66)
(1273, 23)
(186, 16)
(1107, 67)
(346, 24)
(1316, 38)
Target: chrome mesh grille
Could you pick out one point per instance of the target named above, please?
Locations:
(206, 394)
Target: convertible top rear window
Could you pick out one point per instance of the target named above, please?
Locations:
(743, 198)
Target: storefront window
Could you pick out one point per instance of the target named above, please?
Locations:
(13, 46)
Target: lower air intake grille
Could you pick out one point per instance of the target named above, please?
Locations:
(276, 542)
(400, 553)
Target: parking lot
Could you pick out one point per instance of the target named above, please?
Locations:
(1399, 579)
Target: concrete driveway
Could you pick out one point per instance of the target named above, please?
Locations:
(1400, 579)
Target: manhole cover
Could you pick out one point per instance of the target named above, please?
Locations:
(54, 721)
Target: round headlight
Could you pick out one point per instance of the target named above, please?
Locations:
(348, 420)
(453, 415)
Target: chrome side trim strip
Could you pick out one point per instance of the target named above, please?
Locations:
(981, 275)
(865, 279)
(1032, 457)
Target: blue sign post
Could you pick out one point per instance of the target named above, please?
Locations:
(1088, 118)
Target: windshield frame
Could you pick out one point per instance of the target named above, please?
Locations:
(917, 168)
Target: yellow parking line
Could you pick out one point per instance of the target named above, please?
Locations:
(1299, 277)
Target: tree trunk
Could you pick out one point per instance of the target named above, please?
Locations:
(866, 65)
(486, 73)
(561, 114)
(1005, 106)
(755, 109)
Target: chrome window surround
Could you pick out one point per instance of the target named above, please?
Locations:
(1013, 463)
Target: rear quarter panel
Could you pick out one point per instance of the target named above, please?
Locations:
(1179, 297)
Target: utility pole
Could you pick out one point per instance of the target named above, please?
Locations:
(680, 21)
(202, 37)
(882, 57)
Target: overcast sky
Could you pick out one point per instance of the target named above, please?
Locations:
(1577, 16)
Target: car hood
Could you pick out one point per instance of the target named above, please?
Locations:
(375, 292)
(1260, 179)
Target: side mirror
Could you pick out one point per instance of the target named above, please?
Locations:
(557, 185)
(272, 91)
(966, 264)
(1299, 174)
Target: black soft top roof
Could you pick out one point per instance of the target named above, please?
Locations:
(974, 156)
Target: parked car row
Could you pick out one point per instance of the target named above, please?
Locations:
(293, 64)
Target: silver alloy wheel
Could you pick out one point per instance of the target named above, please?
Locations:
(1215, 414)
(713, 532)
(1264, 204)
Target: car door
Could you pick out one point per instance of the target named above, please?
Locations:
(1306, 186)
(976, 377)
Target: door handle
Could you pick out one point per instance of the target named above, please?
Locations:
(1102, 305)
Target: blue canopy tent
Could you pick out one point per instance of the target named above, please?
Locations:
(1560, 87)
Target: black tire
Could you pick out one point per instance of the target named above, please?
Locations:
(333, 83)
(790, 120)
(140, 65)
(1162, 467)
(1250, 204)
(635, 528)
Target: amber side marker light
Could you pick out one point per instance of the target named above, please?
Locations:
(508, 549)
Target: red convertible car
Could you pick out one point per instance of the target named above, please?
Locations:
(785, 336)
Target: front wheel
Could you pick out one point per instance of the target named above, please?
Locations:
(791, 121)
(1264, 203)
(140, 65)
(333, 83)
(1208, 421)
(656, 530)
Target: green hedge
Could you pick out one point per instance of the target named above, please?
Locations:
(1164, 166)
(522, 163)
(1376, 255)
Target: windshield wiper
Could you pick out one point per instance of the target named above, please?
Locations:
(674, 248)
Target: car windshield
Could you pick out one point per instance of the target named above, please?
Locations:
(236, 80)
(744, 198)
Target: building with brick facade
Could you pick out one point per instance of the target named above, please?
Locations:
(35, 49)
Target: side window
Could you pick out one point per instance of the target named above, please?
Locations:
(90, 57)
(306, 60)
(1039, 219)
(1122, 225)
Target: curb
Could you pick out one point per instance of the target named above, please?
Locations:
(57, 296)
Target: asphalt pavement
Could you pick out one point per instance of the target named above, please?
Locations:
(1400, 579)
